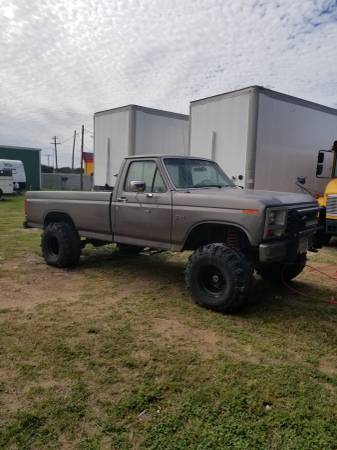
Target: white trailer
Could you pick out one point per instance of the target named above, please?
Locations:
(264, 139)
(17, 169)
(134, 130)
(6, 182)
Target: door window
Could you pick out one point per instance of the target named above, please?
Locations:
(147, 172)
(158, 183)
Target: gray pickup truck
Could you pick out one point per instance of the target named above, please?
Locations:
(183, 203)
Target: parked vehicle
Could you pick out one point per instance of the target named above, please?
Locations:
(329, 198)
(268, 140)
(183, 203)
(18, 172)
(134, 130)
(6, 182)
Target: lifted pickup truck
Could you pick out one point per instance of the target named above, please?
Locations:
(183, 203)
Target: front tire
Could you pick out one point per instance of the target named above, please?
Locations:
(61, 245)
(219, 277)
(278, 272)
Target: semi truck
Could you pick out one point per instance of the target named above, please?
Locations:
(182, 203)
(134, 130)
(268, 140)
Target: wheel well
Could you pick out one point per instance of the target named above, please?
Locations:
(208, 233)
(54, 217)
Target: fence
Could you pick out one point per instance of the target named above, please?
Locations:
(65, 181)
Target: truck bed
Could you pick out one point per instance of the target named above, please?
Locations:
(90, 211)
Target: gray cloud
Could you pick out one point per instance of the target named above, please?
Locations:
(61, 61)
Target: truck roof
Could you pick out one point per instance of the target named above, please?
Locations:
(157, 112)
(271, 93)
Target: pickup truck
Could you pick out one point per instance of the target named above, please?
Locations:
(183, 203)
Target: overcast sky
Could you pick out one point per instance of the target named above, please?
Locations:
(62, 60)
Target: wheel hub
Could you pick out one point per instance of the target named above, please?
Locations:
(212, 280)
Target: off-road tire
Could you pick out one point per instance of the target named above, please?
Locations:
(230, 266)
(278, 272)
(129, 250)
(61, 245)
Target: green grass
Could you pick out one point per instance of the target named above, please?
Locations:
(115, 355)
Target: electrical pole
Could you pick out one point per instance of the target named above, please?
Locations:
(73, 157)
(82, 145)
(55, 143)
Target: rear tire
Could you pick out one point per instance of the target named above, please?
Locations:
(219, 277)
(61, 245)
(278, 272)
(129, 250)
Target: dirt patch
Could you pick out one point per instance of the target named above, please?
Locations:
(29, 282)
(328, 365)
(206, 341)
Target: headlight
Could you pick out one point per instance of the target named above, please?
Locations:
(276, 223)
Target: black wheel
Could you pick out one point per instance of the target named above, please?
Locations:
(219, 277)
(129, 250)
(61, 245)
(0, 194)
(278, 272)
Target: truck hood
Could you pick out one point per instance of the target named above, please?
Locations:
(241, 198)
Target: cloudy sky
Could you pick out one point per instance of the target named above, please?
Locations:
(62, 60)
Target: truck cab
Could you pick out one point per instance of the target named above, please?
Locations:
(329, 198)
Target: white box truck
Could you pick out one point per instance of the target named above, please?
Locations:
(264, 139)
(134, 130)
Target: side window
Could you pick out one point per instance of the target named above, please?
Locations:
(141, 171)
(158, 183)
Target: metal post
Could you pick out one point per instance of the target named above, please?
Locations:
(82, 145)
(73, 155)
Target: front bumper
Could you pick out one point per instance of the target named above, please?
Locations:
(285, 249)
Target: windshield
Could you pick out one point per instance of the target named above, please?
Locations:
(195, 173)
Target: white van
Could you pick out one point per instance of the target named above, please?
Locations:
(18, 172)
(6, 182)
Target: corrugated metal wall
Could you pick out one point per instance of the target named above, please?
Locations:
(31, 161)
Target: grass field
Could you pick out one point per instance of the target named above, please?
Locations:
(115, 355)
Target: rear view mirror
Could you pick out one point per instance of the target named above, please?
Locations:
(137, 186)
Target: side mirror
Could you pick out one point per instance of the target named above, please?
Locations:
(137, 186)
(320, 163)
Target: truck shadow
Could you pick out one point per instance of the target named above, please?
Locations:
(165, 272)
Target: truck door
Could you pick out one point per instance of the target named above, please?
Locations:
(143, 218)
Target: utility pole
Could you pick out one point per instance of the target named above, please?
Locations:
(73, 156)
(55, 143)
(82, 145)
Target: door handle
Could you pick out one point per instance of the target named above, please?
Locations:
(149, 195)
(122, 199)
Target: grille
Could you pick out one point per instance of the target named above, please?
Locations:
(331, 206)
(302, 219)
